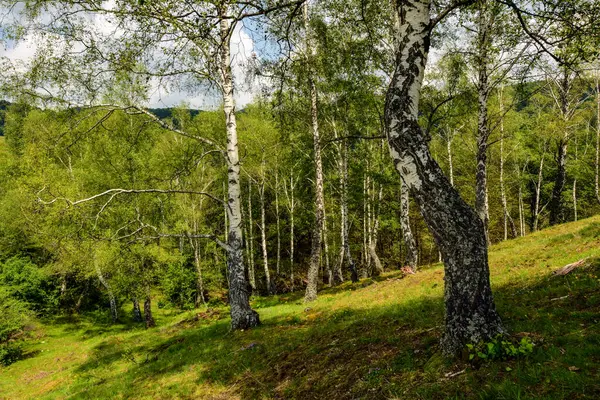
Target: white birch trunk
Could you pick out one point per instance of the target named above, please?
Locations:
(470, 312)
(242, 316)
(313, 269)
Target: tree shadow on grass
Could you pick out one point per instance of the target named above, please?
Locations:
(375, 353)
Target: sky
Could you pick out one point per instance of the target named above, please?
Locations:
(242, 50)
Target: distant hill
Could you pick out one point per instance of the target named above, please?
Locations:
(161, 113)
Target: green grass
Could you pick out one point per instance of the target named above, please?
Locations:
(374, 340)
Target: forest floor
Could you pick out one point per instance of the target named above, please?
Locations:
(377, 339)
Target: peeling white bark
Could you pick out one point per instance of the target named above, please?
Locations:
(459, 233)
(242, 316)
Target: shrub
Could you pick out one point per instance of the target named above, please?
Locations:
(178, 284)
(500, 348)
(26, 282)
(14, 315)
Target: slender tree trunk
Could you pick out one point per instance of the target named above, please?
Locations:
(150, 323)
(367, 199)
(315, 254)
(81, 297)
(538, 192)
(575, 199)
(136, 313)
(561, 151)
(111, 296)
(251, 274)
(597, 161)
(483, 131)
(364, 256)
(263, 236)
(291, 207)
(278, 223)
(470, 313)
(411, 259)
(559, 183)
(450, 164)
(226, 228)
(521, 212)
(507, 218)
(199, 281)
(373, 245)
(329, 272)
(242, 316)
(345, 244)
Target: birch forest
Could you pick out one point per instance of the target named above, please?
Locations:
(300, 199)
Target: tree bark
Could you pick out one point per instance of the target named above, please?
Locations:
(315, 254)
(148, 318)
(450, 163)
(263, 235)
(345, 244)
(136, 312)
(328, 276)
(364, 254)
(483, 130)
(411, 258)
(242, 316)
(199, 280)
(111, 296)
(507, 218)
(470, 312)
(575, 199)
(291, 201)
(538, 192)
(251, 271)
(278, 223)
(555, 205)
(375, 230)
(597, 161)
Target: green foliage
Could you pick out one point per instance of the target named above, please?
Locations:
(177, 283)
(10, 353)
(28, 283)
(14, 315)
(500, 348)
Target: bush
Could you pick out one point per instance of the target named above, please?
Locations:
(178, 284)
(10, 353)
(14, 315)
(26, 282)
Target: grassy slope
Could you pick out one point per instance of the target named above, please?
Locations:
(377, 339)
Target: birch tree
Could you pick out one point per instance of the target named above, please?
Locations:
(470, 312)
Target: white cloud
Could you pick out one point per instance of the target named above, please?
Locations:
(242, 53)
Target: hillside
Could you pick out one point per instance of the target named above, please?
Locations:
(374, 340)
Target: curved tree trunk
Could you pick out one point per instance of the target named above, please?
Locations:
(242, 316)
(470, 312)
(315, 253)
